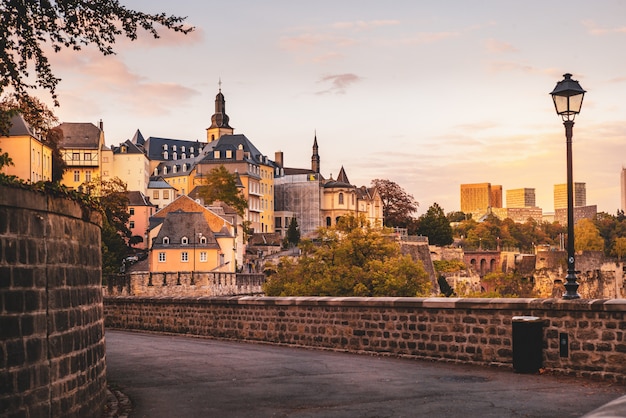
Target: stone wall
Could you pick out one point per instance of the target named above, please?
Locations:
(459, 330)
(184, 284)
(52, 350)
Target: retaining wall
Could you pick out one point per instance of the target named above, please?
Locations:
(52, 349)
(459, 330)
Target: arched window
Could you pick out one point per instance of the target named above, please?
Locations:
(184, 240)
(173, 147)
(165, 155)
(183, 156)
(165, 170)
(202, 240)
(156, 171)
(341, 198)
(328, 221)
(166, 240)
(164, 147)
(174, 156)
(185, 167)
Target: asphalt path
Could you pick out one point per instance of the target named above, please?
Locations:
(181, 376)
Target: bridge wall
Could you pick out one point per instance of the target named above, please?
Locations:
(52, 349)
(475, 331)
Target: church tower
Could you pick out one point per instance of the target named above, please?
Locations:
(219, 120)
(315, 158)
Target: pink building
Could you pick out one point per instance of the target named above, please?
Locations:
(140, 210)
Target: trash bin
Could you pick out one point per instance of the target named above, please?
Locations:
(527, 344)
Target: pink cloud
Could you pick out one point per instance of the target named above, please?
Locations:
(498, 47)
(594, 29)
(339, 82)
(363, 25)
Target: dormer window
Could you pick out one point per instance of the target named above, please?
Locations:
(185, 167)
(156, 171)
(164, 147)
(166, 240)
(202, 240)
(175, 169)
(183, 156)
(240, 146)
(165, 170)
(184, 240)
(191, 156)
(229, 153)
(173, 147)
(174, 156)
(182, 148)
(165, 155)
(216, 154)
(191, 150)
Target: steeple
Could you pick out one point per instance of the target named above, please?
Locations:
(219, 120)
(315, 158)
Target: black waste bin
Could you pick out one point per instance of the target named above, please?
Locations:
(527, 344)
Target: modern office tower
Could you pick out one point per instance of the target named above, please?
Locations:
(560, 195)
(479, 197)
(622, 178)
(520, 198)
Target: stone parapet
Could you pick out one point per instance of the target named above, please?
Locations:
(460, 330)
(52, 349)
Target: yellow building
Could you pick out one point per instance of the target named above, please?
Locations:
(131, 165)
(189, 237)
(85, 153)
(32, 159)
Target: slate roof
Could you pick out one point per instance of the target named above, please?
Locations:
(138, 139)
(19, 127)
(342, 180)
(157, 182)
(179, 224)
(153, 147)
(233, 143)
(80, 135)
(131, 148)
(136, 198)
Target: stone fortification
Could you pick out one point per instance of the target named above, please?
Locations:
(475, 331)
(52, 350)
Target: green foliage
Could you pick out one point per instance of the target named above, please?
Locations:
(293, 233)
(32, 28)
(222, 186)
(435, 225)
(449, 266)
(5, 160)
(619, 247)
(398, 205)
(351, 259)
(508, 285)
(587, 236)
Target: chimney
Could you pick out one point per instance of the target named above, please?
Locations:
(278, 158)
(101, 125)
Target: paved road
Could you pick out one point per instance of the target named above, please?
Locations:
(178, 376)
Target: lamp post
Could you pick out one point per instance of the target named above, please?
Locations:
(568, 99)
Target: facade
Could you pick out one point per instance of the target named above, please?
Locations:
(131, 166)
(520, 198)
(160, 192)
(560, 195)
(480, 197)
(140, 210)
(32, 159)
(85, 153)
(519, 215)
(580, 212)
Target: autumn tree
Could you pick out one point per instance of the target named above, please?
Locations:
(31, 28)
(293, 233)
(350, 259)
(587, 236)
(435, 225)
(398, 205)
(222, 185)
(619, 247)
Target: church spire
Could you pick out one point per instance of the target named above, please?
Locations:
(219, 120)
(315, 158)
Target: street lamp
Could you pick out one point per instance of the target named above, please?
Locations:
(568, 99)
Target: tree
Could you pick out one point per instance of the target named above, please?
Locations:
(351, 259)
(222, 186)
(507, 285)
(293, 232)
(435, 225)
(619, 247)
(53, 139)
(5, 159)
(31, 27)
(587, 237)
(398, 205)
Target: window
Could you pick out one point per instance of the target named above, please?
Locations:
(88, 175)
(229, 154)
(216, 154)
(75, 156)
(184, 240)
(87, 156)
(191, 151)
(161, 257)
(341, 198)
(166, 240)
(164, 147)
(183, 156)
(202, 240)
(165, 155)
(132, 224)
(76, 175)
(132, 211)
(184, 256)
(166, 194)
(185, 167)
(173, 147)
(155, 194)
(174, 156)
(203, 256)
(182, 148)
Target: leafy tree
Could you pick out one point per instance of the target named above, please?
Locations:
(507, 285)
(113, 199)
(293, 232)
(5, 159)
(457, 216)
(435, 225)
(619, 247)
(34, 112)
(29, 28)
(351, 259)
(222, 186)
(587, 236)
(53, 140)
(398, 205)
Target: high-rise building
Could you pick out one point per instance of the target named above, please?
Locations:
(560, 195)
(520, 198)
(480, 197)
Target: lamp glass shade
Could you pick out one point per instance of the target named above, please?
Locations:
(568, 97)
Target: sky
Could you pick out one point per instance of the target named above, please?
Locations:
(428, 94)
